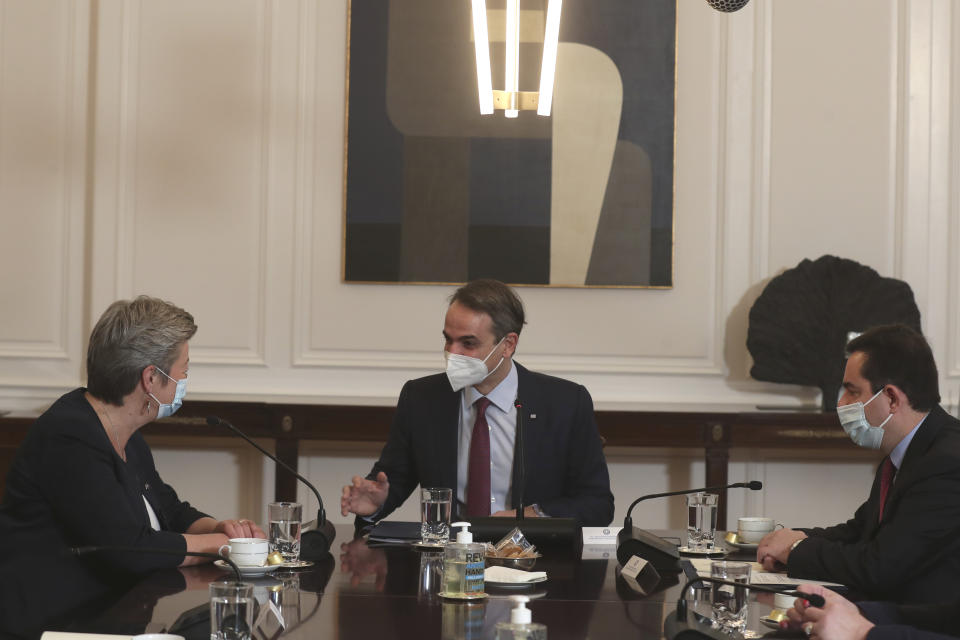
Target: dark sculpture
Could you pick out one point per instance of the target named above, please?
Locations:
(799, 325)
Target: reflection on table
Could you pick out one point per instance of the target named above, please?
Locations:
(362, 591)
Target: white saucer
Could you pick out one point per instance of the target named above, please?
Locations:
(427, 546)
(248, 572)
(716, 551)
(745, 546)
(514, 585)
(452, 596)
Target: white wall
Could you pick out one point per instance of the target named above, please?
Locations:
(194, 151)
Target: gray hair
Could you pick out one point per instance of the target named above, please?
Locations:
(130, 336)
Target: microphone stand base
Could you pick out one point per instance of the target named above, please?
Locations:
(695, 627)
(315, 543)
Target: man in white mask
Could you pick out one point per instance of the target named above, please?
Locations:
(457, 429)
(902, 544)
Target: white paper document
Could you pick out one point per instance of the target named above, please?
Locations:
(758, 575)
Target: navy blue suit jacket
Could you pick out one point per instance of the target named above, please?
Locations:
(566, 472)
(913, 554)
(911, 622)
(67, 487)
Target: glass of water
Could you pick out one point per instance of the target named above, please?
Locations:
(702, 521)
(287, 598)
(285, 519)
(231, 610)
(431, 576)
(729, 603)
(435, 508)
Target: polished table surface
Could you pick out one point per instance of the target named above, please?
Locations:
(366, 592)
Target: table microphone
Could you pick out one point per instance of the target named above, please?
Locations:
(521, 466)
(680, 627)
(632, 541)
(82, 551)
(314, 543)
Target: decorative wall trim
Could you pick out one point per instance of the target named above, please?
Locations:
(305, 188)
(952, 343)
(74, 33)
(763, 124)
(120, 219)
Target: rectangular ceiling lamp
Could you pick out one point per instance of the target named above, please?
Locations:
(511, 100)
(481, 41)
(548, 68)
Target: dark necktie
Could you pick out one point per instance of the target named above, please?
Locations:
(478, 472)
(886, 479)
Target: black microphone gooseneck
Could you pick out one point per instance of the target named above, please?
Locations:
(315, 543)
(753, 485)
(663, 555)
(82, 551)
(520, 453)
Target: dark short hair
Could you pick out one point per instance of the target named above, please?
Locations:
(495, 299)
(898, 355)
(130, 336)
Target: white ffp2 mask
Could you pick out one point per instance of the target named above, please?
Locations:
(464, 371)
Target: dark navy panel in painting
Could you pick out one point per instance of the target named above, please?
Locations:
(510, 182)
(375, 159)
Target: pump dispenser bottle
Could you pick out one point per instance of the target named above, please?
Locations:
(520, 626)
(463, 564)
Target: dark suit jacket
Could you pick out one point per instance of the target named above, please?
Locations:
(911, 622)
(67, 487)
(565, 469)
(914, 554)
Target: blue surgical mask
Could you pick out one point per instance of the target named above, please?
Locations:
(853, 419)
(167, 410)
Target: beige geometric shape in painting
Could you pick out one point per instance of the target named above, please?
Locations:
(588, 98)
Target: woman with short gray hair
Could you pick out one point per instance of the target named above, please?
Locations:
(84, 475)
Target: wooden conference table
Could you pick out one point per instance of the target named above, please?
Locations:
(364, 592)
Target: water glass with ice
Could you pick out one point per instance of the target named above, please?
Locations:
(702, 520)
(729, 603)
(435, 508)
(231, 611)
(285, 519)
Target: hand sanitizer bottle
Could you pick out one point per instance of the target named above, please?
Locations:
(520, 626)
(463, 563)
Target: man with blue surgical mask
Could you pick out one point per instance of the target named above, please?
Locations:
(457, 429)
(901, 544)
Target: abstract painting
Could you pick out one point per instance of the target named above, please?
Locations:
(437, 193)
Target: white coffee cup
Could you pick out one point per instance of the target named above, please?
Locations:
(782, 601)
(246, 552)
(751, 530)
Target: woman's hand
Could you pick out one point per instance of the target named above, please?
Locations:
(239, 529)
